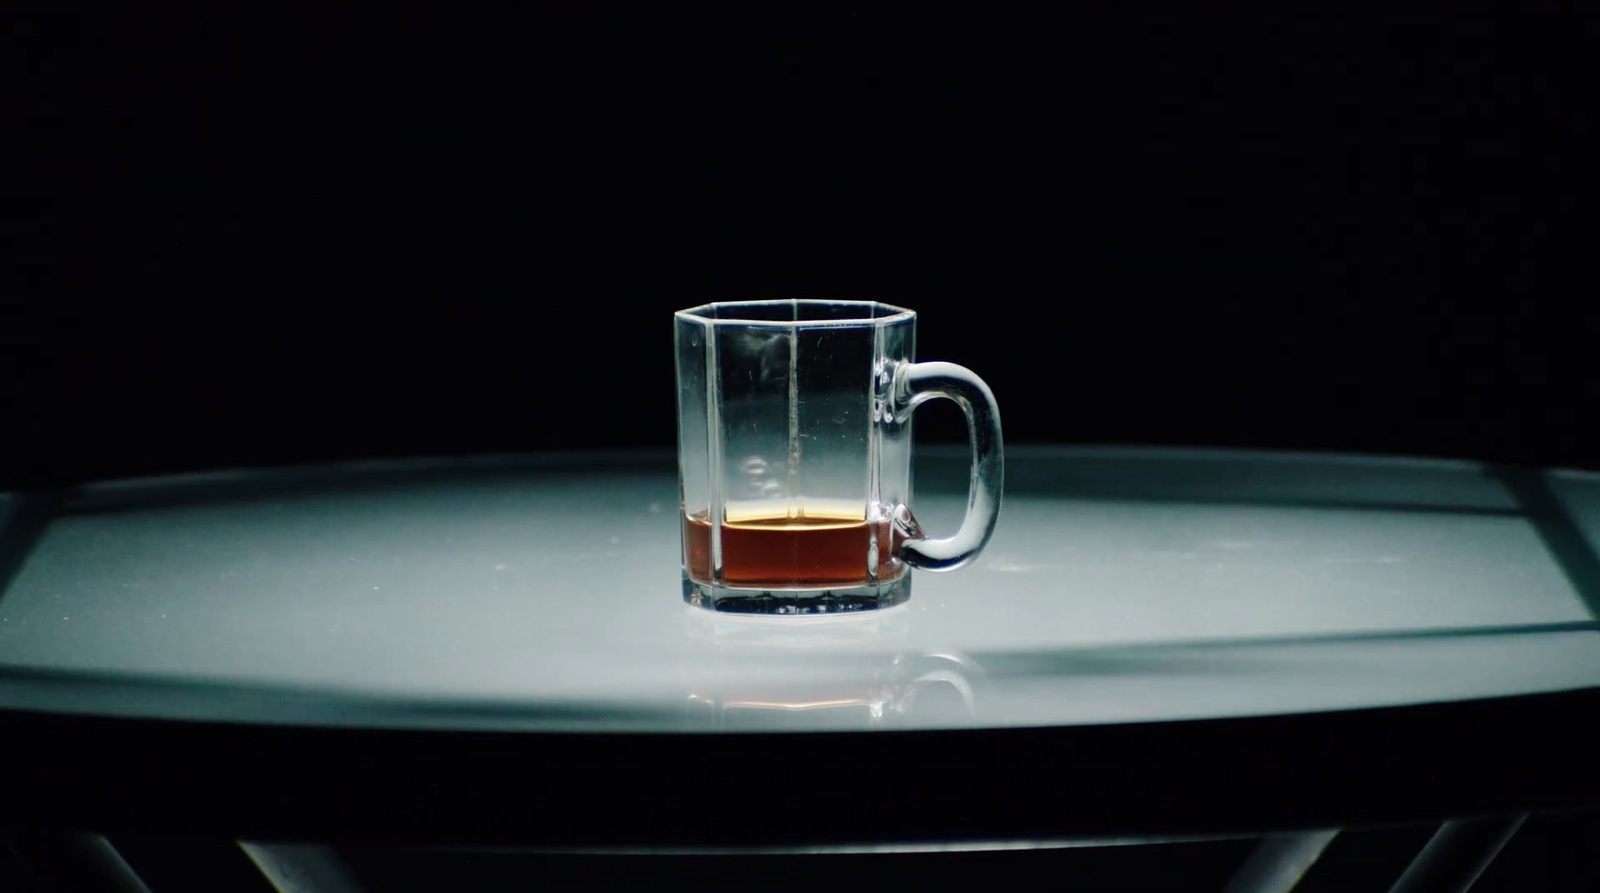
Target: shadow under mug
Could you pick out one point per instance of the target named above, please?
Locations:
(794, 456)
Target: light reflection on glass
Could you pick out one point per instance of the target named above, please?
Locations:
(827, 673)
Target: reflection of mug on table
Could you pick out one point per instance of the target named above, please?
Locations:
(816, 673)
(794, 436)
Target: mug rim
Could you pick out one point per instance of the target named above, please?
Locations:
(893, 315)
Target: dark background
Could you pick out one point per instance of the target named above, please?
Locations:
(293, 235)
(307, 233)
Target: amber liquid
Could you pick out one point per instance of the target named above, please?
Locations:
(797, 550)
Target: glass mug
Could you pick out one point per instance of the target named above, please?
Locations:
(794, 456)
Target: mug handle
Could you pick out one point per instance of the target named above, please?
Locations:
(916, 384)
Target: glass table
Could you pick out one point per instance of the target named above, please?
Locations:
(495, 651)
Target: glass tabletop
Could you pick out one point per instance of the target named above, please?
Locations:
(542, 594)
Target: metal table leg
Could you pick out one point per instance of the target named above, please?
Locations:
(1279, 862)
(1457, 854)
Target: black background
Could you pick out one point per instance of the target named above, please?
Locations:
(300, 234)
(235, 237)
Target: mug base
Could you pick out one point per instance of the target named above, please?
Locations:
(831, 600)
